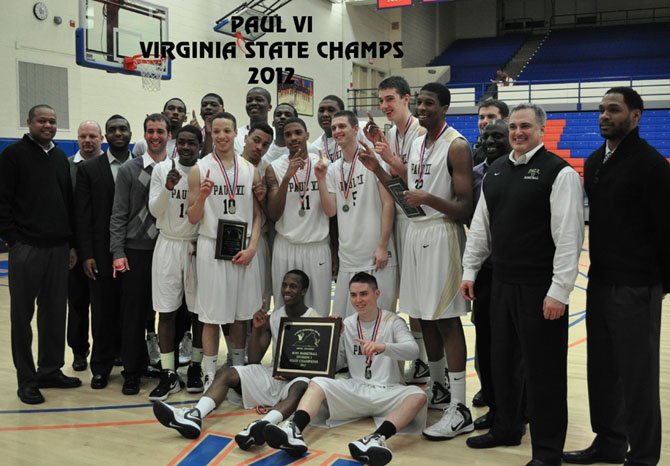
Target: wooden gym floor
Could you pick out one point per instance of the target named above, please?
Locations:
(103, 427)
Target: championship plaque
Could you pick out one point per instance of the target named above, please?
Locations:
(396, 187)
(307, 347)
(231, 238)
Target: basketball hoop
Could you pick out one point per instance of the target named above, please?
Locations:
(151, 70)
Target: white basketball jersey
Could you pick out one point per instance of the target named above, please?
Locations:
(219, 205)
(436, 179)
(313, 225)
(174, 220)
(401, 145)
(359, 216)
(275, 320)
(383, 369)
(273, 153)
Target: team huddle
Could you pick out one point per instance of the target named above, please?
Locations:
(149, 224)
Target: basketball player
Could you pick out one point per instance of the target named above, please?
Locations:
(253, 381)
(132, 239)
(220, 188)
(439, 176)
(328, 107)
(173, 270)
(365, 216)
(259, 104)
(278, 148)
(175, 111)
(210, 105)
(371, 345)
(301, 224)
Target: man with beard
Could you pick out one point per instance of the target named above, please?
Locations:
(529, 218)
(495, 144)
(173, 266)
(258, 105)
(94, 197)
(89, 137)
(210, 105)
(301, 224)
(35, 220)
(175, 111)
(278, 148)
(132, 239)
(628, 184)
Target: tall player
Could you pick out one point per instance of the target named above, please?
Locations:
(221, 188)
(253, 381)
(210, 105)
(365, 216)
(278, 148)
(258, 105)
(172, 270)
(439, 176)
(302, 226)
(372, 343)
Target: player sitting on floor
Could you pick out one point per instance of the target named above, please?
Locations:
(253, 381)
(372, 343)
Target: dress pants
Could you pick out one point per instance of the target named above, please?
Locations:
(623, 328)
(78, 300)
(42, 274)
(529, 350)
(105, 323)
(481, 308)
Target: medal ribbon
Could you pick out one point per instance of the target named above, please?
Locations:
(378, 321)
(303, 191)
(332, 157)
(347, 186)
(231, 190)
(400, 149)
(423, 156)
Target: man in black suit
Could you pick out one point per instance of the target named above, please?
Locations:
(89, 137)
(94, 197)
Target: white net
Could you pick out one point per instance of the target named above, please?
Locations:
(151, 71)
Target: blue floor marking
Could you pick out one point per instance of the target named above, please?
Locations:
(341, 462)
(280, 458)
(208, 449)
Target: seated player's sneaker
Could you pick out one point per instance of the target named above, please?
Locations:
(209, 378)
(252, 435)
(371, 449)
(438, 395)
(185, 349)
(287, 437)
(186, 421)
(194, 379)
(153, 349)
(456, 420)
(417, 372)
(168, 384)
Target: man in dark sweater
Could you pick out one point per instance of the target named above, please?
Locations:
(133, 235)
(35, 220)
(628, 184)
(530, 220)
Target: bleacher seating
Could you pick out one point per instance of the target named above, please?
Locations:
(604, 52)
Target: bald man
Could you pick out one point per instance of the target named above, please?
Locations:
(89, 137)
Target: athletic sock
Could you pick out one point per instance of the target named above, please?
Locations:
(209, 364)
(274, 417)
(167, 361)
(196, 355)
(387, 429)
(301, 419)
(205, 405)
(437, 370)
(457, 386)
(418, 337)
(238, 356)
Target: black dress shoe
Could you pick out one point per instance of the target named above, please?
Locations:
(490, 441)
(59, 380)
(537, 462)
(592, 455)
(478, 400)
(484, 422)
(30, 395)
(99, 381)
(131, 385)
(118, 362)
(80, 364)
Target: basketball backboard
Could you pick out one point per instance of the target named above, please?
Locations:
(111, 30)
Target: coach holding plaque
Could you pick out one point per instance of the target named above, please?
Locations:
(221, 198)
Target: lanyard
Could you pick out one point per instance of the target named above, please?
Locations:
(400, 150)
(368, 362)
(303, 191)
(347, 186)
(332, 157)
(423, 156)
(232, 190)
